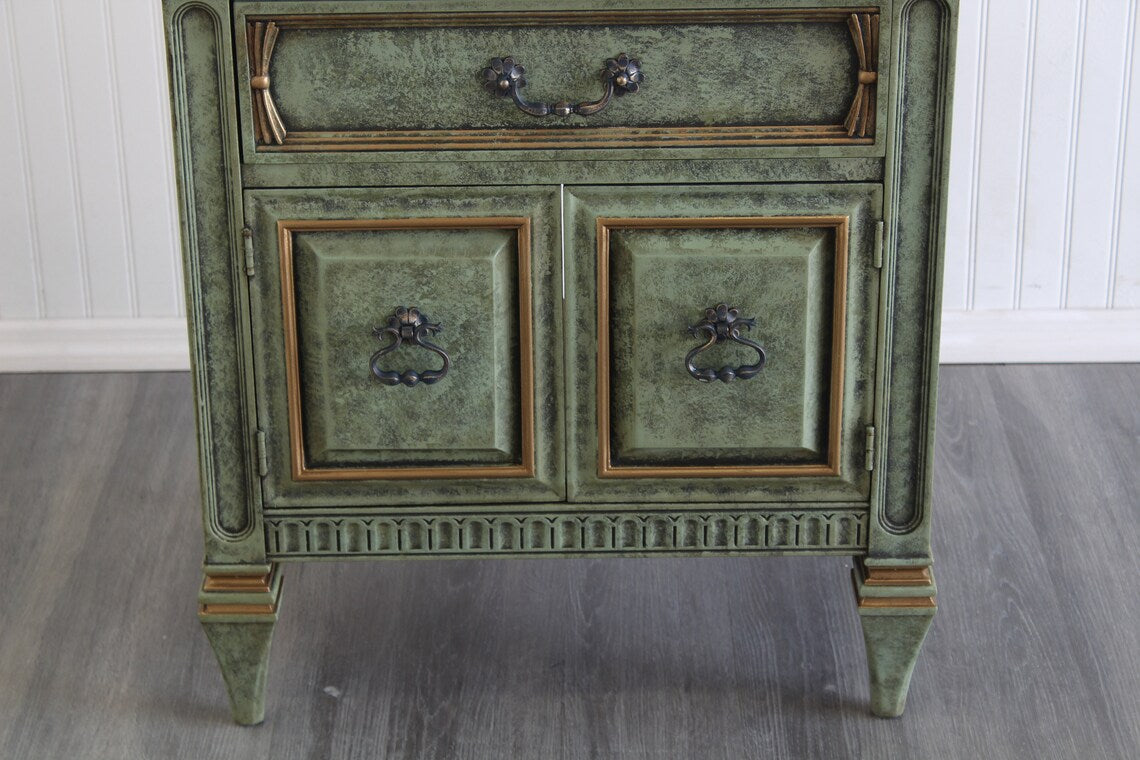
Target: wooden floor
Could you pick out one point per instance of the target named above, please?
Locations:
(1035, 652)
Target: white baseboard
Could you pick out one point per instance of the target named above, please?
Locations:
(976, 337)
(1041, 337)
(93, 345)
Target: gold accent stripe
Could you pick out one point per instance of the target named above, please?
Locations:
(558, 18)
(251, 583)
(601, 137)
(897, 602)
(897, 576)
(606, 468)
(300, 469)
(237, 609)
(520, 133)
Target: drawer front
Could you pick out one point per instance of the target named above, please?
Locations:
(354, 78)
(409, 340)
(729, 351)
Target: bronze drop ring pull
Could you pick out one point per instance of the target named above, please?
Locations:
(621, 75)
(408, 324)
(722, 324)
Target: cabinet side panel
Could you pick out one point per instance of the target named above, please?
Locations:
(205, 150)
(916, 181)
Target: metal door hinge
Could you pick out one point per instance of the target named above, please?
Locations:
(262, 457)
(247, 238)
(877, 259)
(869, 451)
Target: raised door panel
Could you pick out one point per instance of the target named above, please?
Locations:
(729, 352)
(788, 270)
(410, 342)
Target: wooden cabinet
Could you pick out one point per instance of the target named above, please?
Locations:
(566, 282)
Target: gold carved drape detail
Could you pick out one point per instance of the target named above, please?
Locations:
(267, 122)
(864, 28)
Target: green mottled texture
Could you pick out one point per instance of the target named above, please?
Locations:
(350, 282)
(679, 301)
(347, 284)
(781, 277)
(384, 533)
(331, 79)
(206, 151)
(242, 650)
(644, 166)
(918, 156)
(893, 641)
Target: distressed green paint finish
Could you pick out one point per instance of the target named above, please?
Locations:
(239, 624)
(242, 651)
(350, 282)
(892, 324)
(895, 620)
(680, 302)
(643, 166)
(779, 277)
(379, 534)
(893, 639)
(918, 157)
(330, 80)
(793, 73)
(206, 153)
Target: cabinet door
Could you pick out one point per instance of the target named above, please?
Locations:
(408, 345)
(722, 342)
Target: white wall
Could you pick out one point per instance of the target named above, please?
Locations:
(1044, 230)
(1044, 209)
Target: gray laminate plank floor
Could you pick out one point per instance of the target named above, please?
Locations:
(1035, 652)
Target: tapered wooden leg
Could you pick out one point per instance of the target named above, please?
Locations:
(238, 613)
(896, 607)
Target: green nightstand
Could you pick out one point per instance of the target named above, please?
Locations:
(439, 310)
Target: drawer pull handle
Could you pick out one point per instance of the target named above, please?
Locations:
(721, 324)
(409, 325)
(505, 78)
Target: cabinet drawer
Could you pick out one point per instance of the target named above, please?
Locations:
(409, 339)
(352, 77)
(733, 330)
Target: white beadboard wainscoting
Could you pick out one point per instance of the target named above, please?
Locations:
(1044, 206)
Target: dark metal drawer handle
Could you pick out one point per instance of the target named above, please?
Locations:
(621, 75)
(721, 324)
(408, 324)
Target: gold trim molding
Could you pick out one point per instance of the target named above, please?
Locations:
(239, 583)
(301, 471)
(896, 576)
(897, 602)
(272, 135)
(556, 18)
(236, 609)
(830, 468)
(868, 581)
(249, 589)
